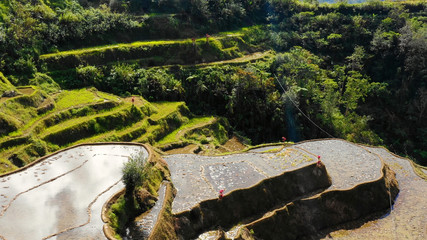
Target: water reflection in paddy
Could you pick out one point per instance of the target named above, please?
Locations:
(56, 195)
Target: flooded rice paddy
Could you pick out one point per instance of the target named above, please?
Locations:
(62, 196)
(198, 178)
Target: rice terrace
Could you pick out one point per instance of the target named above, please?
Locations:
(212, 119)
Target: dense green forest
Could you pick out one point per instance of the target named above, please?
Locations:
(353, 71)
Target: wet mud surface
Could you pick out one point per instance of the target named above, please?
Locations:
(408, 218)
(199, 178)
(62, 196)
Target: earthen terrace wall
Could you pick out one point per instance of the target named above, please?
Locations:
(251, 202)
(307, 216)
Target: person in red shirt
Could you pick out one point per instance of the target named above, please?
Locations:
(221, 194)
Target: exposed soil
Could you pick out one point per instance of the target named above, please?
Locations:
(184, 150)
(407, 219)
(234, 145)
(26, 91)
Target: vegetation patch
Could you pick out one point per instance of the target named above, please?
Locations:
(82, 96)
(88, 126)
(8, 124)
(5, 85)
(178, 133)
(142, 178)
(166, 52)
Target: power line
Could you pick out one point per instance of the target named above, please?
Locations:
(284, 91)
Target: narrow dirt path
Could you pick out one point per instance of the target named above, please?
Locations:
(144, 224)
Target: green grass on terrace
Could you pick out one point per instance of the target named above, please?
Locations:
(120, 45)
(138, 44)
(164, 108)
(76, 121)
(149, 133)
(116, 133)
(65, 99)
(193, 123)
(68, 99)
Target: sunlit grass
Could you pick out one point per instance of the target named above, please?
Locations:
(165, 108)
(127, 46)
(107, 136)
(68, 99)
(192, 123)
(116, 46)
(80, 120)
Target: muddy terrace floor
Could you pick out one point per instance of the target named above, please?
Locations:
(199, 178)
(46, 200)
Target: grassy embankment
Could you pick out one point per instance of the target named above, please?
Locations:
(152, 53)
(84, 115)
(39, 123)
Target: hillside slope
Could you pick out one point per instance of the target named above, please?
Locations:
(82, 116)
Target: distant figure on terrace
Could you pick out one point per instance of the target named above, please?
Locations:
(221, 194)
(319, 162)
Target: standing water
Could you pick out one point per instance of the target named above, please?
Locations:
(62, 196)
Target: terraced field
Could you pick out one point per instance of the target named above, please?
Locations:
(152, 53)
(353, 194)
(85, 116)
(61, 196)
(35, 123)
(264, 188)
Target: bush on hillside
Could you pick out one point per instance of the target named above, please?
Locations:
(7, 124)
(134, 172)
(89, 76)
(45, 82)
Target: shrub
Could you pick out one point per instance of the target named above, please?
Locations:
(89, 75)
(7, 124)
(134, 172)
(45, 82)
